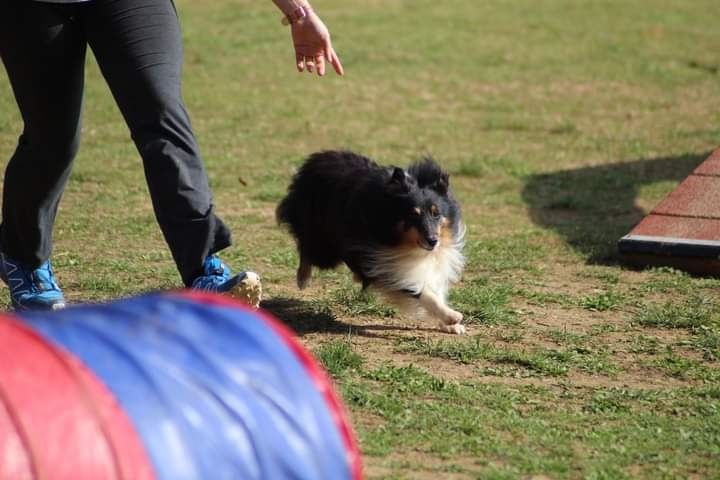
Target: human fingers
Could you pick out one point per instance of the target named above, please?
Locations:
(335, 62)
(327, 48)
(299, 62)
(320, 64)
(310, 64)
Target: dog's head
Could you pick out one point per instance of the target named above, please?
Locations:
(428, 213)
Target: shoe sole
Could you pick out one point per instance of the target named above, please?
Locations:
(249, 289)
(35, 308)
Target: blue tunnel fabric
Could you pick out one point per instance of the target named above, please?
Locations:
(212, 390)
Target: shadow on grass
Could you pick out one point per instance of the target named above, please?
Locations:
(305, 317)
(593, 207)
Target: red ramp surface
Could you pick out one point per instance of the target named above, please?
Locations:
(683, 231)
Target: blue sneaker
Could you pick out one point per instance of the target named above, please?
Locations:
(218, 278)
(31, 289)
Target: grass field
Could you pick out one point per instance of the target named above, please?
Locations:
(562, 122)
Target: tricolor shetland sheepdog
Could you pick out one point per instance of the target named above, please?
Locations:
(399, 231)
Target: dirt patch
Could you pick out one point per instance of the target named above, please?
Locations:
(419, 465)
(376, 339)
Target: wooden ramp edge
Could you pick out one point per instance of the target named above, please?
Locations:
(682, 231)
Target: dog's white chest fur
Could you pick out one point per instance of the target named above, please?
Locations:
(413, 270)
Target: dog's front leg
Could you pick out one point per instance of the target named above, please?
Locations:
(449, 318)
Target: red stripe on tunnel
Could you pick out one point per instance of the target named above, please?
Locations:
(57, 420)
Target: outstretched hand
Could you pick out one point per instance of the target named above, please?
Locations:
(313, 48)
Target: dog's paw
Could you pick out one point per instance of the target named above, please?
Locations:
(452, 317)
(456, 328)
(451, 322)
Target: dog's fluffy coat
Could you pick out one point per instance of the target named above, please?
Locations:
(399, 231)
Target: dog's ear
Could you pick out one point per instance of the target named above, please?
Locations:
(399, 180)
(429, 175)
(442, 184)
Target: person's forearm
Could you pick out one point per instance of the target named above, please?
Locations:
(289, 6)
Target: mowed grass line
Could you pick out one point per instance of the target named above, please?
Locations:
(561, 123)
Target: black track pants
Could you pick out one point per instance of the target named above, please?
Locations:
(138, 47)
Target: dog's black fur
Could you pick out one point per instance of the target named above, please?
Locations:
(381, 222)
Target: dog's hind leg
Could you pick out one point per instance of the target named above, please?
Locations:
(303, 273)
(435, 306)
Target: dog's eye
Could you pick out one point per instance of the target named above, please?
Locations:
(434, 211)
(417, 211)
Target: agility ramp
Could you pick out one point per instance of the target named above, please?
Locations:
(683, 231)
(166, 386)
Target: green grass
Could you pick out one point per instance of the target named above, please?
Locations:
(511, 360)
(516, 431)
(484, 303)
(698, 314)
(562, 123)
(354, 301)
(695, 312)
(687, 368)
(601, 301)
(337, 357)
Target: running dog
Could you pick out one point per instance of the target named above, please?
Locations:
(399, 230)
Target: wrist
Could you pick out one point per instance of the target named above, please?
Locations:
(297, 16)
(288, 7)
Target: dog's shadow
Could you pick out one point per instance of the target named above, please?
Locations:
(304, 317)
(592, 207)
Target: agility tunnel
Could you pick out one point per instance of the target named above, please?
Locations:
(166, 386)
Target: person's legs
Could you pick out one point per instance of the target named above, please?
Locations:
(43, 51)
(138, 47)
